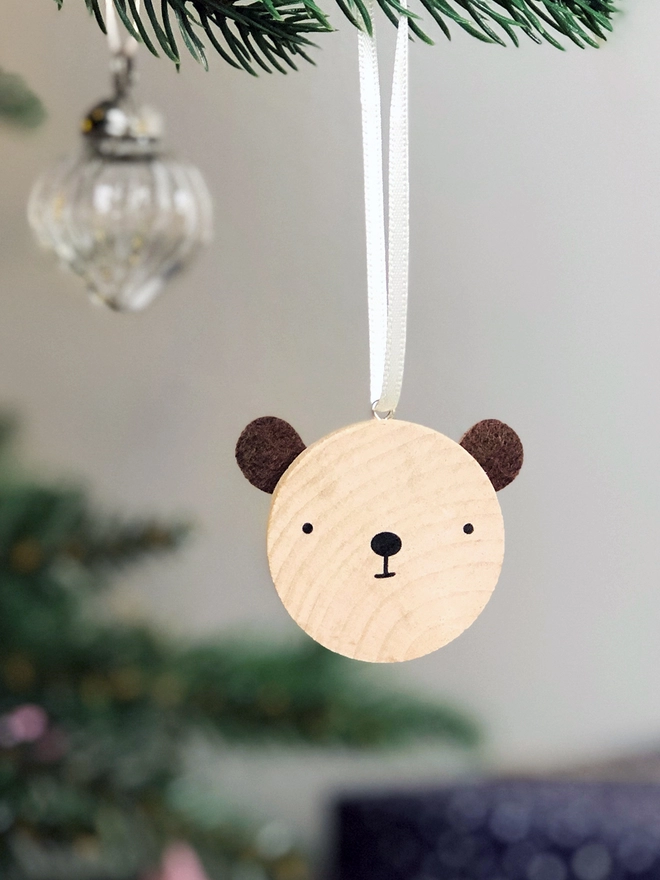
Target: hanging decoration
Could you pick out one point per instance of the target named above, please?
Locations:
(122, 214)
(385, 538)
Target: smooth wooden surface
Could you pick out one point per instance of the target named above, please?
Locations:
(374, 477)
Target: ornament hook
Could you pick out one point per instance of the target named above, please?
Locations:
(122, 69)
(380, 415)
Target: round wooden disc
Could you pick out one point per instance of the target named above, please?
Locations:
(385, 540)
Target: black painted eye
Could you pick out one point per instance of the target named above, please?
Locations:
(308, 528)
(468, 528)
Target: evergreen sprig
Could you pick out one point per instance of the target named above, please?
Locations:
(19, 106)
(306, 694)
(272, 34)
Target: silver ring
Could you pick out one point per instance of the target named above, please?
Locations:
(382, 417)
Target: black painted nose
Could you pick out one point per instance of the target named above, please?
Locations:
(386, 543)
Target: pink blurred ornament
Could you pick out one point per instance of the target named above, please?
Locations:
(180, 862)
(26, 723)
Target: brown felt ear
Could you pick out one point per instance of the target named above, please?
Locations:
(265, 449)
(498, 450)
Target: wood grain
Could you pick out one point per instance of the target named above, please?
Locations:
(385, 477)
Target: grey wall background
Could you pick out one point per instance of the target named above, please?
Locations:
(535, 267)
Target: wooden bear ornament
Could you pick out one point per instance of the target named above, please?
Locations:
(385, 538)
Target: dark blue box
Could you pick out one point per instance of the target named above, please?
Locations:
(504, 830)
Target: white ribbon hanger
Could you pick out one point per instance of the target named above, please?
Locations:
(127, 47)
(387, 265)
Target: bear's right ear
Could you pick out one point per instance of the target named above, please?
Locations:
(265, 449)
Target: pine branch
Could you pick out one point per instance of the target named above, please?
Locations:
(42, 528)
(273, 34)
(306, 694)
(113, 544)
(18, 104)
(7, 431)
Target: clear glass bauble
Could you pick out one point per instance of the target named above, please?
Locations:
(121, 214)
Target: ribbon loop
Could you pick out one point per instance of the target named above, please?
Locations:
(127, 47)
(387, 265)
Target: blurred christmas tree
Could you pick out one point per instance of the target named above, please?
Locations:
(94, 715)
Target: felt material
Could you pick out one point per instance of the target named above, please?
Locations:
(265, 449)
(498, 450)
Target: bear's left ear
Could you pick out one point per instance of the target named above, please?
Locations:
(498, 450)
(265, 449)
